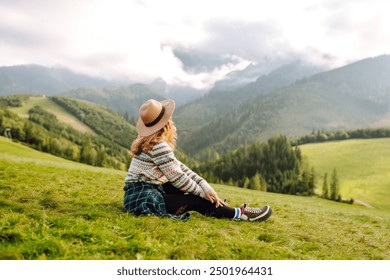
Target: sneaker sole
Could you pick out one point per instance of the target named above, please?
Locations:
(264, 216)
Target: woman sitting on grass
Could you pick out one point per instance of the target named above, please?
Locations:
(159, 184)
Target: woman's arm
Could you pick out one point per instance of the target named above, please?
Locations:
(163, 156)
(199, 180)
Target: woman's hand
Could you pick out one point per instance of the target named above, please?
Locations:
(212, 196)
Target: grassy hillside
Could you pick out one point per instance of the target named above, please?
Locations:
(363, 168)
(53, 108)
(57, 125)
(56, 209)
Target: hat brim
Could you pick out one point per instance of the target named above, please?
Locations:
(143, 130)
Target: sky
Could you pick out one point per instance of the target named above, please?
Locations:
(188, 42)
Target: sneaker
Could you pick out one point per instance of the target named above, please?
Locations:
(255, 214)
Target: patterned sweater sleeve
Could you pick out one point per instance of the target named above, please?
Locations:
(199, 180)
(164, 158)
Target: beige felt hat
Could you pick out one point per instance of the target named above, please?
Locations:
(154, 115)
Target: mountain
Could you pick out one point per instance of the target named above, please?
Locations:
(40, 80)
(180, 93)
(354, 96)
(127, 99)
(51, 81)
(36, 79)
(240, 78)
(218, 103)
(124, 100)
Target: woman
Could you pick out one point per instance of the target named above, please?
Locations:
(159, 184)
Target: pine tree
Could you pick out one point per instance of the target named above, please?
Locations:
(263, 184)
(247, 183)
(87, 153)
(255, 182)
(312, 182)
(230, 182)
(325, 187)
(334, 186)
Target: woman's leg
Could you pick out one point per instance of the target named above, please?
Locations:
(170, 189)
(178, 204)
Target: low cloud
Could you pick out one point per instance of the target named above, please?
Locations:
(249, 40)
(195, 44)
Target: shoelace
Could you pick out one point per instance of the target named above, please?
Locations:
(251, 210)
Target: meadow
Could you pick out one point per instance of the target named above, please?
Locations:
(362, 165)
(52, 208)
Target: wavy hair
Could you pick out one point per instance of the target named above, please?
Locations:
(146, 143)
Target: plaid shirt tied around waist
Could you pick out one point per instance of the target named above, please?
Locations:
(146, 199)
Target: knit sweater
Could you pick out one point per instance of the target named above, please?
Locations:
(160, 165)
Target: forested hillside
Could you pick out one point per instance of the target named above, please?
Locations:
(102, 120)
(351, 97)
(273, 166)
(45, 132)
(221, 103)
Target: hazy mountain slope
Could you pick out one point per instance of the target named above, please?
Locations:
(35, 79)
(241, 78)
(357, 95)
(119, 99)
(218, 103)
(182, 94)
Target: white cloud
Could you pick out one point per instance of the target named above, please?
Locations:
(138, 39)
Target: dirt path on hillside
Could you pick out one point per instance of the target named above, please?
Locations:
(359, 202)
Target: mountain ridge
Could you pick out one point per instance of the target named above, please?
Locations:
(38, 79)
(217, 102)
(345, 98)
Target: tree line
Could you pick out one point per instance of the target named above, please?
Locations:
(331, 188)
(273, 166)
(323, 136)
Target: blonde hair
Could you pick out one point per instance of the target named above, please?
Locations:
(146, 143)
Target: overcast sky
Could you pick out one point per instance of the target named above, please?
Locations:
(193, 42)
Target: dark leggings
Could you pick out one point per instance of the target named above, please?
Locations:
(177, 203)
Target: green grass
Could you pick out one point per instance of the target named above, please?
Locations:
(55, 209)
(53, 108)
(363, 168)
